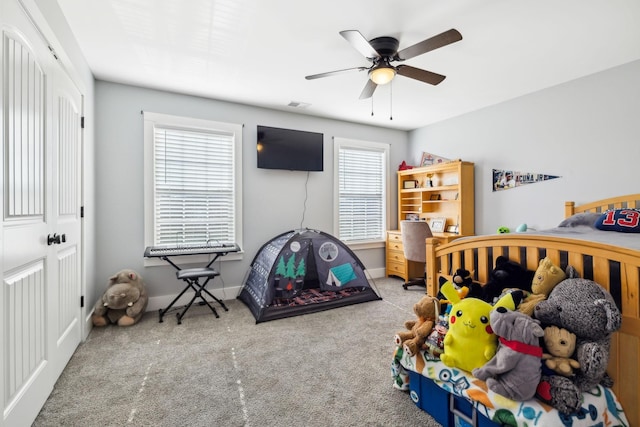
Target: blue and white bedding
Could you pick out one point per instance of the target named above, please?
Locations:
(600, 406)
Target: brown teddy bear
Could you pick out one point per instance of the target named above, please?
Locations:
(547, 276)
(124, 302)
(426, 311)
(560, 345)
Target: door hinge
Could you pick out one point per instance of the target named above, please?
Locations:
(82, 122)
(82, 301)
(81, 211)
(53, 52)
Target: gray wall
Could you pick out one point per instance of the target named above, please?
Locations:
(273, 201)
(587, 131)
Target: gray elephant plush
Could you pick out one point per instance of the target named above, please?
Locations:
(124, 302)
(587, 310)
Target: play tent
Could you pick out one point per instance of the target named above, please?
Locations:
(304, 271)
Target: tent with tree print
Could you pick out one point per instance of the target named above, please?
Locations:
(304, 271)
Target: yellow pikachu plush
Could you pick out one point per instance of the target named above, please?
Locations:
(470, 342)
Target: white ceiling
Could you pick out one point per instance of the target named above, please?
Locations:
(259, 51)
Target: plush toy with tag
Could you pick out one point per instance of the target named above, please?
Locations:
(470, 341)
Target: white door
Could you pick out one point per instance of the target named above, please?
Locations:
(66, 251)
(40, 298)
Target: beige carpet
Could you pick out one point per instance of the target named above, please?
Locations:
(324, 369)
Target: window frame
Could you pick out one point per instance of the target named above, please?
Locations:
(385, 148)
(191, 124)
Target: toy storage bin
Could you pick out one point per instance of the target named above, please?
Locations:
(446, 408)
(429, 397)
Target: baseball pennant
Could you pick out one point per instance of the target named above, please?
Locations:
(505, 179)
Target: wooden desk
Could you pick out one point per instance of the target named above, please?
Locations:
(397, 265)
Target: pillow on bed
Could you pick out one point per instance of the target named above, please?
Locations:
(585, 218)
(623, 220)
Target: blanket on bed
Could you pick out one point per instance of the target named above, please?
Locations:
(600, 406)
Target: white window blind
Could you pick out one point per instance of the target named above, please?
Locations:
(362, 193)
(194, 186)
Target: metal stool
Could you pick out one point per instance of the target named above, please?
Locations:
(192, 277)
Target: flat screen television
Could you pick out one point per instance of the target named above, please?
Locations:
(289, 149)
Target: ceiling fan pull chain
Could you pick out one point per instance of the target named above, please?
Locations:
(372, 106)
(391, 100)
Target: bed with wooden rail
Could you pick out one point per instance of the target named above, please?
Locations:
(616, 268)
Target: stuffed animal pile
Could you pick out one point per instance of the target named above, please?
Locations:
(553, 332)
(123, 303)
(585, 309)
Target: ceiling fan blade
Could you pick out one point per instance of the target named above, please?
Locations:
(427, 45)
(361, 44)
(419, 74)
(333, 73)
(368, 90)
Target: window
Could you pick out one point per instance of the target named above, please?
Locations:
(362, 183)
(192, 181)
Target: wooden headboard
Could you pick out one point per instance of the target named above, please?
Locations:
(629, 201)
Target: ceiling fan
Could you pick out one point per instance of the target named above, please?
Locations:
(382, 51)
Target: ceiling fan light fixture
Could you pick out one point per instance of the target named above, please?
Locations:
(382, 75)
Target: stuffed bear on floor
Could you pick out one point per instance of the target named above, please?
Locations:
(587, 310)
(124, 302)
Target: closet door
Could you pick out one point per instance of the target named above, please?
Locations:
(65, 220)
(40, 298)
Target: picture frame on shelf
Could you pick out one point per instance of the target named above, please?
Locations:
(412, 217)
(410, 183)
(437, 225)
(452, 228)
(434, 197)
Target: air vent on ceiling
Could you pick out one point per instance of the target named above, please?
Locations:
(296, 104)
